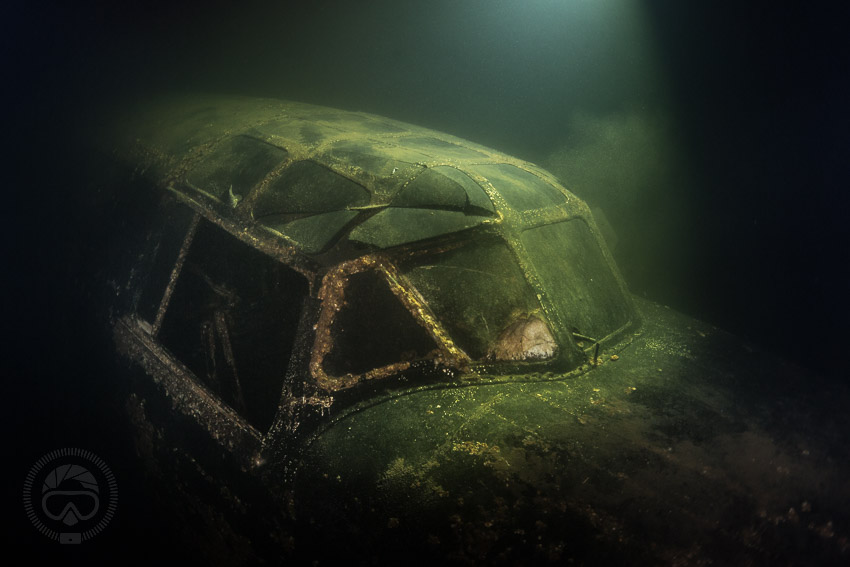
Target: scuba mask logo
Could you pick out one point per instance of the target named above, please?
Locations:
(70, 495)
(66, 505)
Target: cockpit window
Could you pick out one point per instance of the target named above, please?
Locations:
(232, 321)
(307, 188)
(571, 267)
(309, 204)
(480, 295)
(373, 330)
(522, 190)
(234, 167)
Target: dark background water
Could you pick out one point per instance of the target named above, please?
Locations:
(730, 118)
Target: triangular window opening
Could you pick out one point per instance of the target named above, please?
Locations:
(373, 330)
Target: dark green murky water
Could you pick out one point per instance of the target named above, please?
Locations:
(712, 139)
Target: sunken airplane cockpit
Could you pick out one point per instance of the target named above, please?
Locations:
(424, 255)
(401, 342)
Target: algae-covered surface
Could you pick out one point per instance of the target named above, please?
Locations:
(472, 383)
(678, 449)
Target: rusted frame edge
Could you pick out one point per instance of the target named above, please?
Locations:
(332, 296)
(192, 399)
(258, 236)
(175, 273)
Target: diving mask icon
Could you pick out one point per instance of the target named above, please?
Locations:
(70, 506)
(70, 494)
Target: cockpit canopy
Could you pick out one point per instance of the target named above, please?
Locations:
(425, 251)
